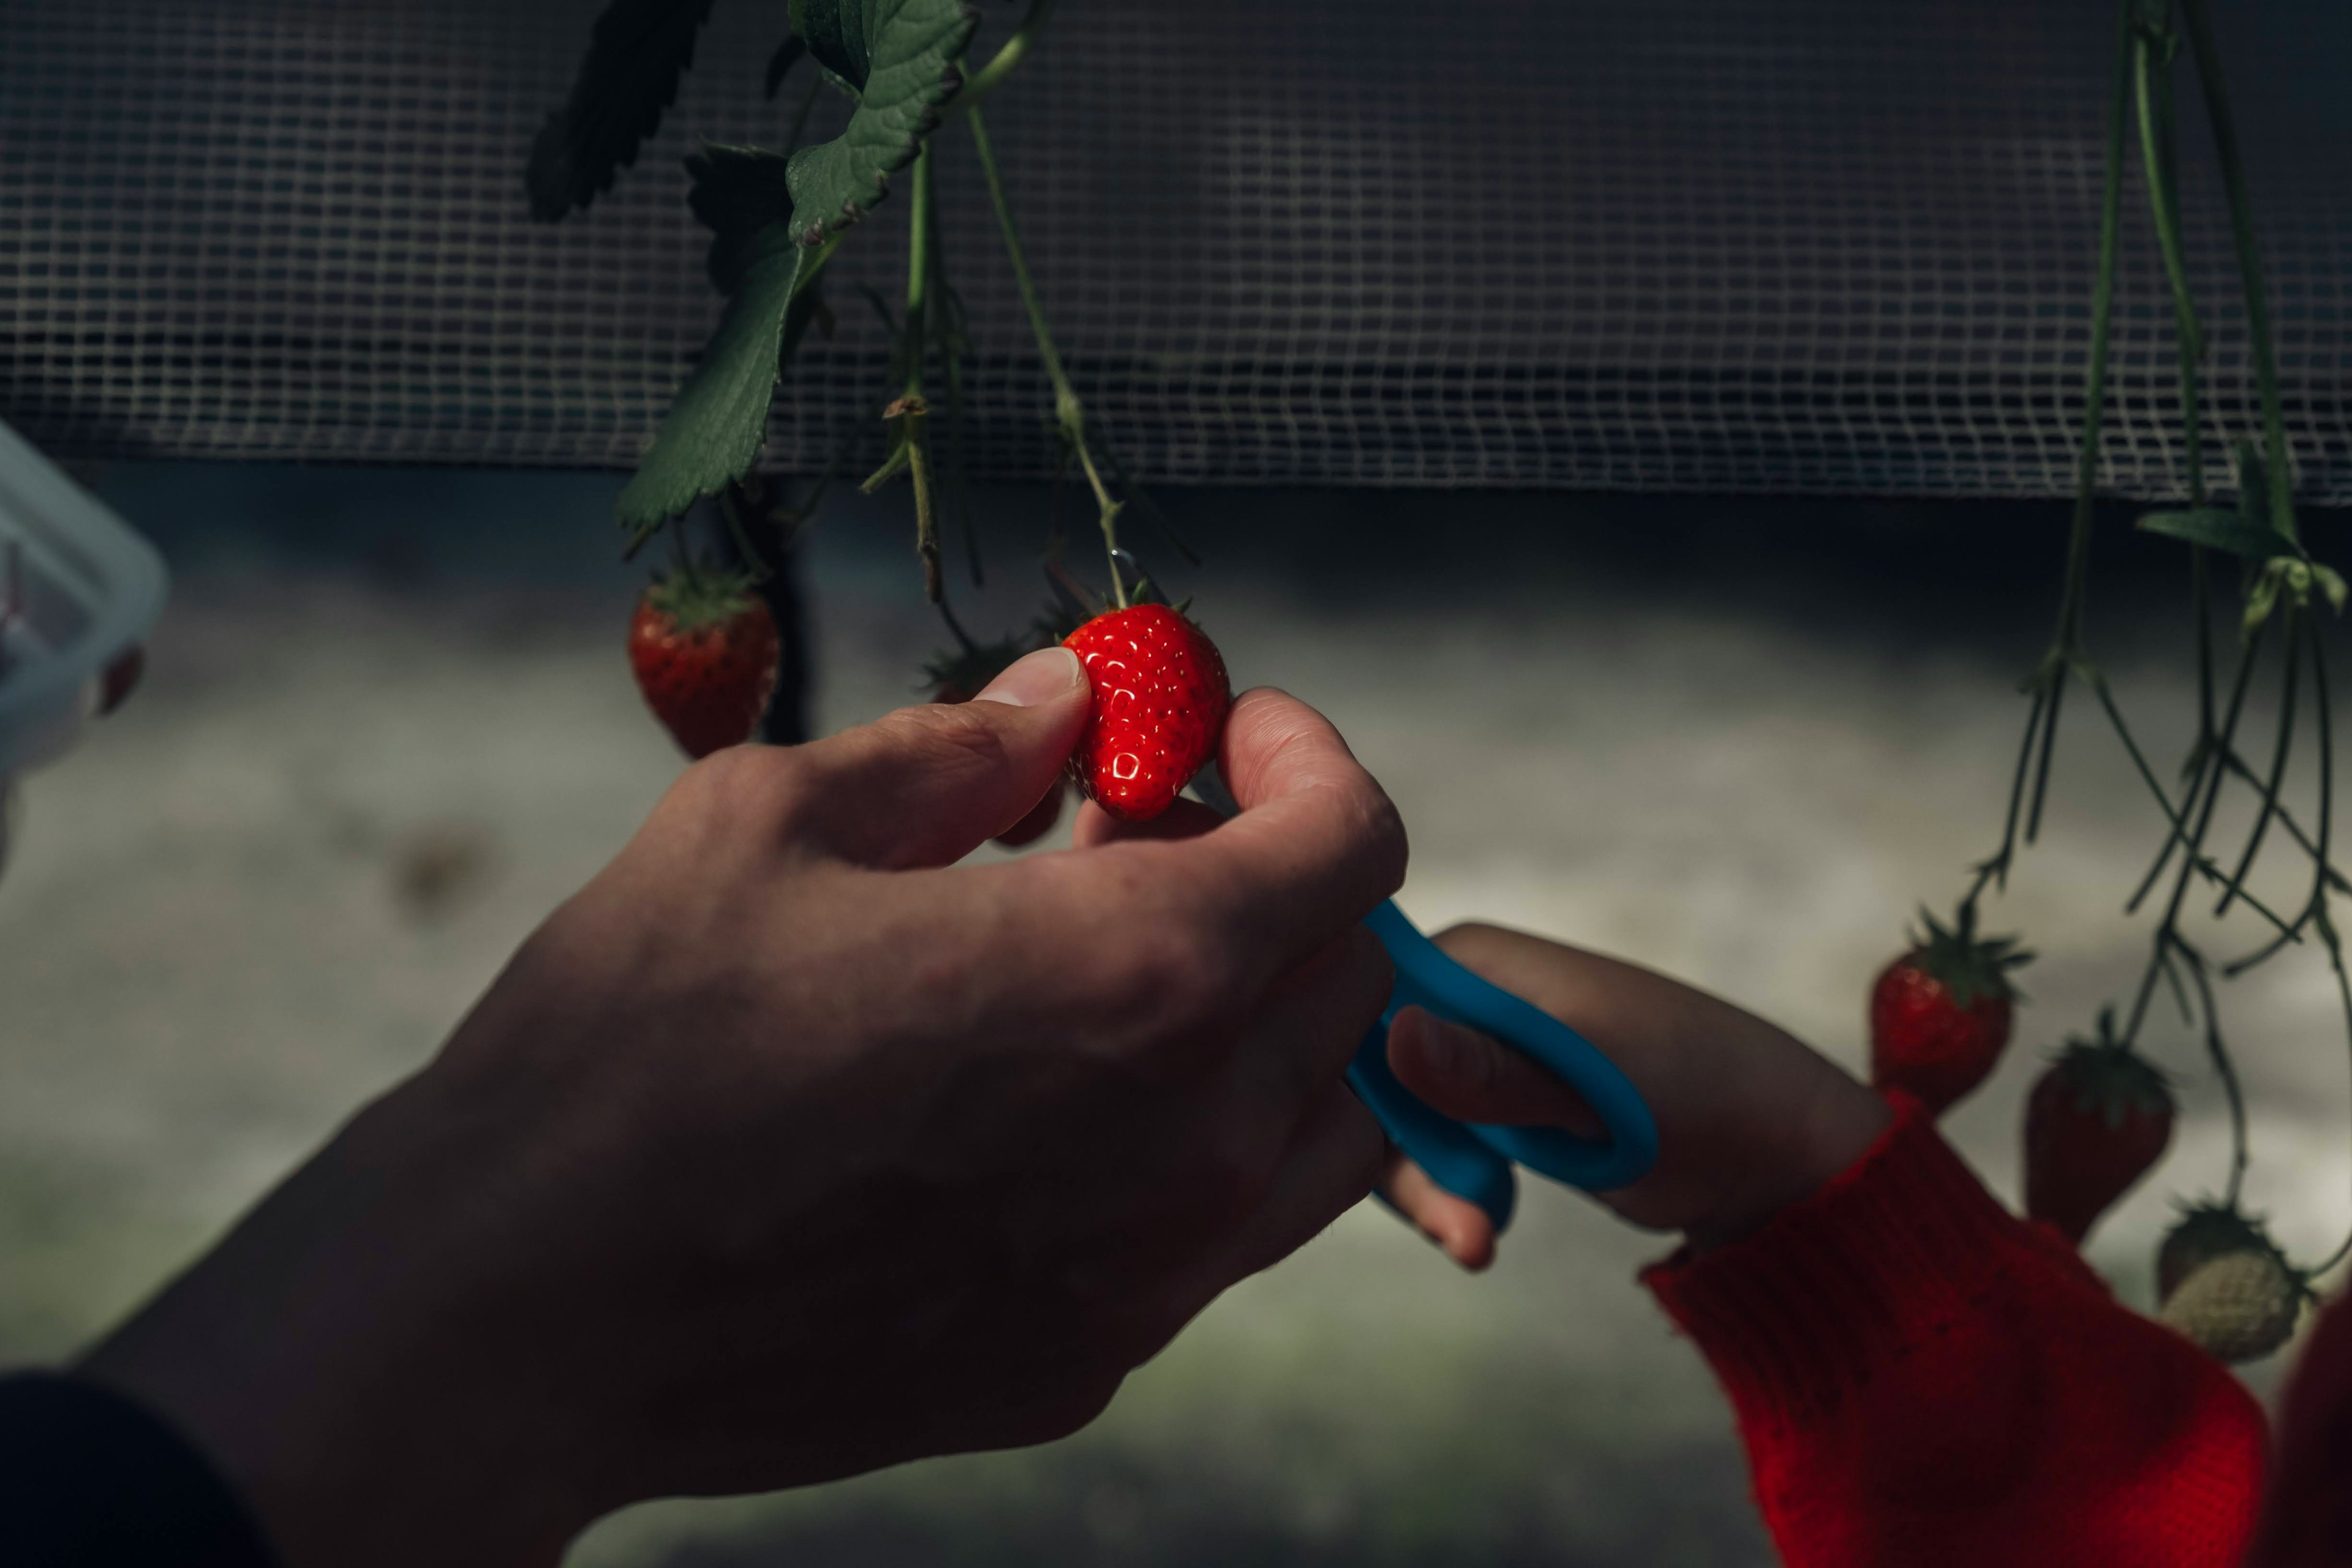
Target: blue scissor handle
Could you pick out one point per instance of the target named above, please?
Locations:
(1474, 1161)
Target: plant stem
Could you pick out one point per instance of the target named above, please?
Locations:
(2068, 639)
(912, 343)
(2163, 198)
(1069, 414)
(2293, 654)
(2250, 261)
(947, 334)
(1004, 62)
(2224, 1068)
(2209, 780)
(733, 515)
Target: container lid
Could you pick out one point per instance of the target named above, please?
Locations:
(78, 589)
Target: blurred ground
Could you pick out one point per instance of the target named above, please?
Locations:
(388, 725)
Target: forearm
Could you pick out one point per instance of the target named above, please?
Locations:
(1921, 1378)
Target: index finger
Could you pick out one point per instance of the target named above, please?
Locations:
(1318, 843)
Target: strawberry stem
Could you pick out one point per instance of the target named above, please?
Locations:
(1004, 62)
(2250, 261)
(1069, 413)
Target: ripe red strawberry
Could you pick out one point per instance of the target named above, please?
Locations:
(2098, 1118)
(704, 650)
(1160, 696)
(1940, 1015)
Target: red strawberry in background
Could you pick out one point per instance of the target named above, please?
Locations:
(1940, 1015)
(1160, 696)
(2096, 1120)
(704, 650)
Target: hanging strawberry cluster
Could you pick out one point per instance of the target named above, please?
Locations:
(776, 216)
(2102, 1113)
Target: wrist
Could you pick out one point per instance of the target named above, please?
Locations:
(1821, 1137)
(319, 1358)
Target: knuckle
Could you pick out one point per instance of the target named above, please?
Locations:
(955, 737)
(738, 781)
(1175, 963)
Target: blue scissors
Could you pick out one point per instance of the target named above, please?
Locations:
(1473, 1160)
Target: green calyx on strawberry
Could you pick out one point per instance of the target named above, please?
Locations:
(1160, 695)
(1967, 967)
(964, 674)
(2203, 1232)
(1941, 1013)
(2098, 1119)
(2223, 1284)
(704, 649)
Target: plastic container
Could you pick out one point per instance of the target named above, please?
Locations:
(78, 592)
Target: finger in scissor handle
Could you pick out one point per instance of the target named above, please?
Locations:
(1463, 1230)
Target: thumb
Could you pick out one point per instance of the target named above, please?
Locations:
(1472, 1077)
(927, 785)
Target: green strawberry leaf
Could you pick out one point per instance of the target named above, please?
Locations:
(772, 235)
(900, 55)
(712, 432)
(636, 55)
(737, 192)
(2232, 532)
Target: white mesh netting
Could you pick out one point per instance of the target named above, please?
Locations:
(1764, 244)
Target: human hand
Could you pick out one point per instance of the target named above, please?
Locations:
(788, 1149)
(1749, 1120)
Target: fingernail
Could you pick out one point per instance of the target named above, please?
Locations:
(1038, 678)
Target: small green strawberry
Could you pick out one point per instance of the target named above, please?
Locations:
(2239, 1306)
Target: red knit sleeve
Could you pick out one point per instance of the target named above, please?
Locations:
(2310, 1522)
(1922, 1379)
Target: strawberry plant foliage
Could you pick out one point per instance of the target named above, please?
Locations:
(774, 218)
(637, 53)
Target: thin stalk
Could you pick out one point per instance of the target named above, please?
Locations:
(2215, 754)
(2320, 868)
(2336, 878)
(913, 344)
(914, 423)
(1069, 414)
(1004, 62)
(1996, 869)
(2250, 259)
(949, 335)
(2163, 199)
(2223, 1069)
(2094, 398)
(2168, 929)
(741, 536)
(2294, 657)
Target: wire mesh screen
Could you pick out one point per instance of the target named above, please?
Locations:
(1758, 245)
